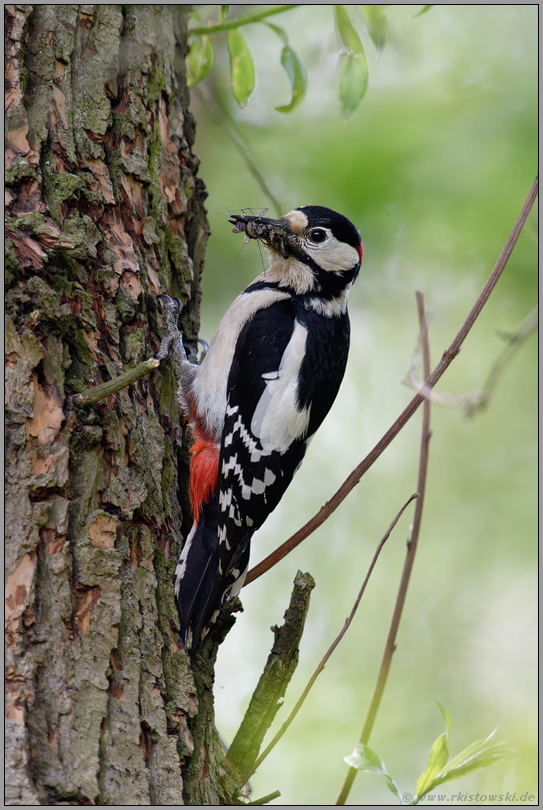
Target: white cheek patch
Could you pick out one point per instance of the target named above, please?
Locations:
(332, 255)
(277, 420)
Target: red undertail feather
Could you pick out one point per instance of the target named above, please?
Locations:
(204, 471)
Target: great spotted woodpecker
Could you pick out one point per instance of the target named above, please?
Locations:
(270, 376)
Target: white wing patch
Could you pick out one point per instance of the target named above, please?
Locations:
(277, 420)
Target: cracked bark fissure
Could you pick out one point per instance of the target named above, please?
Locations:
(104, 212)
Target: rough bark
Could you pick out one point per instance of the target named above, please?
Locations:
(104, 212)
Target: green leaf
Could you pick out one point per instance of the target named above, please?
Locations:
(242, 69)
(195, 17)
(480, 754)
(297, 76)
(378, 24)
(294, 70)
(353, 82)
(353, 66)
(199, 59)
(437, 759)
(439, 755)
(281, 33)
(366, 760)
(424, 10)
(348, 35)
(445, 715)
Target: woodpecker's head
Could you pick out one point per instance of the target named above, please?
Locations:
(313, 249)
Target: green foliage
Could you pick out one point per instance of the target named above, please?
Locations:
(353, 82)
(352, 62)
(439, 769)
(294, 70)
(480, 754)
(424, 10)
(366, 760)
(347, 34)
(437, 760)
(242, 69)
(377, 24)
(353, 65)
(200, 59)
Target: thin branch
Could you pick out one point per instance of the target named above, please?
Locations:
(170, 346)
(471, 403)
(390, 645)
(250, 18)
(270, 690)
(333, 646)
(265, 799)
(353, 479)
(111, 387)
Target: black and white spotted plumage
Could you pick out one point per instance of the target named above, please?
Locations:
(270, 376)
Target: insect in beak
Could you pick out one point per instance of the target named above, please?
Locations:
(274, 233)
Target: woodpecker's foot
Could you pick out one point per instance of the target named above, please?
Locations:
(197, 357)
(172, 342)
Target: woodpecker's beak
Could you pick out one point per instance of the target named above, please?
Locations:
(276, 233)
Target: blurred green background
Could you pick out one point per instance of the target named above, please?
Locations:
(433, 169)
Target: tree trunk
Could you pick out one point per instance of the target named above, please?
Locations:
(104, 212)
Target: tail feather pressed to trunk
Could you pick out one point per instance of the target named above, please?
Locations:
(196, 575)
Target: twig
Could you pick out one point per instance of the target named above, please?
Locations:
(111, 387)
(353, 479)
(265, 799)
(408, 565)
(471, 403)
(279, 669)
(247, 20)
(333, 646)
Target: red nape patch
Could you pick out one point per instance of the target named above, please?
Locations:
(204, 471)
(361, 251)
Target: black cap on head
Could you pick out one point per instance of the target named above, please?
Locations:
(342, 228)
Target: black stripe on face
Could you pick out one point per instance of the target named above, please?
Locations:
(328, 284)
(324, 284)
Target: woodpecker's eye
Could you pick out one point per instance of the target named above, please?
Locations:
(317, 235)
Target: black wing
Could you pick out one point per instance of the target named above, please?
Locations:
(288, 366)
